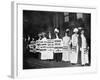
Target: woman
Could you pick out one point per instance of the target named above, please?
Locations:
(84, 50)
(75, 47)
(66, 47)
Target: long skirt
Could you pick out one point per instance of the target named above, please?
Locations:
(58, 57)
(46, 55)
(66, 55)
(74, 55)
(84, 56)
(50, 55)
(86, 59)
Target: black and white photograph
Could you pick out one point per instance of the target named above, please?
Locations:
(50, 40)
(54, 39)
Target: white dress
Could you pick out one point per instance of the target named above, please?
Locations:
(75, 48)
(84, 51)
(66, 49)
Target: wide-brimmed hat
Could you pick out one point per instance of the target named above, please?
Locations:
(75, 30)
(56, 30)
(67, 30)
(80, 28)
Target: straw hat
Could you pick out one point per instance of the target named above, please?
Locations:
(56, 30)
(67, 30)
(80, 28)
(75, 30)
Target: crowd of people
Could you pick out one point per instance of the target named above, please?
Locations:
(68, 46)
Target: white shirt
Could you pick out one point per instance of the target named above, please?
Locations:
(74, 39)
(66, 41)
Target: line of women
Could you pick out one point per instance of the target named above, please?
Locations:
(72, 47)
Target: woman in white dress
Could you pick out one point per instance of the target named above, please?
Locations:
(66, 47)
(75, 47)
(84, 50)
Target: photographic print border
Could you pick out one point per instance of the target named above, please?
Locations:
(17, 28)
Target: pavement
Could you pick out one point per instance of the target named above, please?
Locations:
(32, 62)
